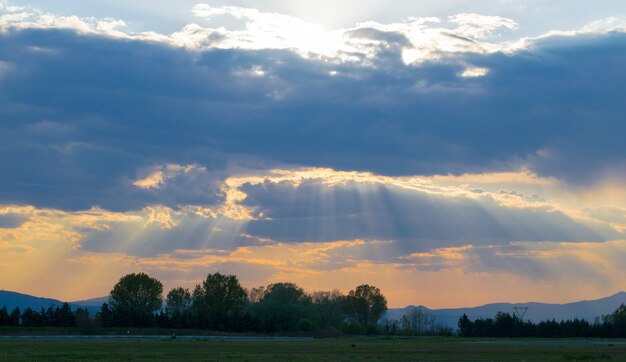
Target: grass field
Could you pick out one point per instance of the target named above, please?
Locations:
(327, 349)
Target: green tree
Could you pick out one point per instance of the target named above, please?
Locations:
(328, 306)
(506, 325)
(178, 307)
(282, 306)
(14, 317)
(50, 317)
(615, 323)
(305, 325)
(465, 326)
(82, 319)
(256, 294)
(366, 305)
(217, 300)
(104, 318)
(64, 316)
(30, 318)
(285, 293)
(43, 317)
(135, 299)
(417, 322)
(4, 316)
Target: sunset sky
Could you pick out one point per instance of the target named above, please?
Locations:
(452, 153)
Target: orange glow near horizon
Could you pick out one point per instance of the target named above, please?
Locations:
(44, 256)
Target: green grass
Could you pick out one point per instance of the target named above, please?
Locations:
(70, 331)
(329, 349)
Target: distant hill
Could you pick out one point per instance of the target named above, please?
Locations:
(22, 301)
(12, 299)
(94, 302)
(587, 309)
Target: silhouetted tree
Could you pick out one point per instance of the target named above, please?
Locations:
(506, 325)
(42, 317)
(14, 317)
(365, 304)
(305, 325)
(82, 318)
(328, 309)
(389, 327)
(50, 317)
(163, 321)
(286, 293)
(416, 322)
(282, 307)
(135, 299)
(256, 294)
(178, 307)
(30, 318)
(615, 323)
(64, 316)
(105, 316)
(219, 299)
(465, 326)
(4, 316)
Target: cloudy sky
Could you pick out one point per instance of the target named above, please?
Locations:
(451, 153)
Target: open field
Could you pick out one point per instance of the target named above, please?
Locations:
(335, 349)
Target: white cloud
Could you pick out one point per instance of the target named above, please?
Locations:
(159, 175)
(273, 31)
(161, 216)
(13, 17)
(604, 25)
(474, 72)
(596, 27)
(478, 26)
(265, 30)
(429, 38)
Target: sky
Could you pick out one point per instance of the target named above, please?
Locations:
(452, 153)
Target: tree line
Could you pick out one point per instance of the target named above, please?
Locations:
(60, 316)
(219, 303)
(507, 325)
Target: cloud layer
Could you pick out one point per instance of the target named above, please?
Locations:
(280, 149)
(86, 111)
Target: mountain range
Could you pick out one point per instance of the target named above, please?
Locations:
(587, 309)
(536, 312)
(12, 300)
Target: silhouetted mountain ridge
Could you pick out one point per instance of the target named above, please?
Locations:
(93, 302)
(13, 299)
(586, 309)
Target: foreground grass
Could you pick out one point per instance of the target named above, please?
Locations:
(75, 331)
(327, 349)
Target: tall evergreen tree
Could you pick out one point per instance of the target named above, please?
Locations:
(14, 317)
(4, 316)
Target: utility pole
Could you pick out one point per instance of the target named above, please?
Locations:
(520, 311)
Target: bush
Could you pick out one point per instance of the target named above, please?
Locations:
(371, 329)
(353, 328)
(305, 325)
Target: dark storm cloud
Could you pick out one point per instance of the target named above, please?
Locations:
(81, 115)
